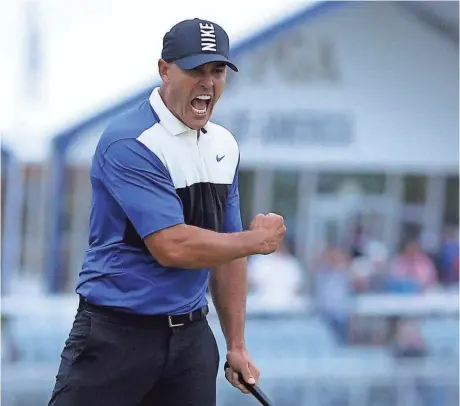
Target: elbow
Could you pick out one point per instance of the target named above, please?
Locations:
(175, 257)
(169, 258)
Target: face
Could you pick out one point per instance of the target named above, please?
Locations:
(192, 94)
(412, 249)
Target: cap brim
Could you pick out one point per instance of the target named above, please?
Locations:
(193, 61)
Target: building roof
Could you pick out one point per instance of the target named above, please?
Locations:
(441, 16)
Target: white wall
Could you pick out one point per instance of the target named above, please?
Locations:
(398, 83)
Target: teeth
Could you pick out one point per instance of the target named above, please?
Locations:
(204, 97)
(198, 111)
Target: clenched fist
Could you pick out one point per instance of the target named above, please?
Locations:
(271, 229)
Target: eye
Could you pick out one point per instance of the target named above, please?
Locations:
(219, 69)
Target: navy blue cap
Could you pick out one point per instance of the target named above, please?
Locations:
(192, 43)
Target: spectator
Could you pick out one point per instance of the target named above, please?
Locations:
(447, 258)
(412, 271)
(369, 269)
(333, 291)
(358, 238)
(276, 279)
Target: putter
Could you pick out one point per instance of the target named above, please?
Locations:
(254, 389)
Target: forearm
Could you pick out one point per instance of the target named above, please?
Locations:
(196, 248)
(228, 286)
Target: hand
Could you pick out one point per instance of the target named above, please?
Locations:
(240, 362)
(272, 230)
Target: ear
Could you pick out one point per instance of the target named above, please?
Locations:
(163, 70)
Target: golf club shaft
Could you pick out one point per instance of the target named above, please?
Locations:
(256, 392)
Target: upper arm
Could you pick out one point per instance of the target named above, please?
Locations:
(232, 221)
(142, 186)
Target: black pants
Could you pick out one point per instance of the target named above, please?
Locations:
(111, 362)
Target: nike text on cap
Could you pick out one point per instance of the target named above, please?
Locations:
(192, 43)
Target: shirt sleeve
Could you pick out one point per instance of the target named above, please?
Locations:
(142, 186)
(232, 222)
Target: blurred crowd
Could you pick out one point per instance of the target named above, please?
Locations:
(369, 268)
(340, 274)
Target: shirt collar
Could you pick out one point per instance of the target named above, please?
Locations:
(167, 119)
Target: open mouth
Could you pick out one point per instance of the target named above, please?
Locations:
(200, 104)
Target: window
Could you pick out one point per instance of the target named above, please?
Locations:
(285, 198)
(246, 187)
(366, 184)
(451, 201)
(32, 254)
(77, 216)
(415, 189)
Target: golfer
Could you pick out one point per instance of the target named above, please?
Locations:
(165, 225)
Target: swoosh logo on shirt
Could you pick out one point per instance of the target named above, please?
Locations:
(219, 158)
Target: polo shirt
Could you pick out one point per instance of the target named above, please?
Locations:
(150, 172)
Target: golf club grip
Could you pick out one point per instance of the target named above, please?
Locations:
(254, 389)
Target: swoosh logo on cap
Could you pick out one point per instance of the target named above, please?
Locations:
(219, 158)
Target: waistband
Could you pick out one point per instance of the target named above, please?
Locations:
(144, 319)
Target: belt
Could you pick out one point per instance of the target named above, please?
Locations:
(144, 319)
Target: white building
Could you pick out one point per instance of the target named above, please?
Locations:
(345, 110)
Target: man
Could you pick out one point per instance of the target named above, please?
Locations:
(165, 219)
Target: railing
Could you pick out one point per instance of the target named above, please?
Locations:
(294, 373)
